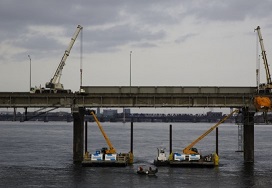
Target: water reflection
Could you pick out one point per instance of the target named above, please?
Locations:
(247, 175)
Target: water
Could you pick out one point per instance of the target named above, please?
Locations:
(37, 154)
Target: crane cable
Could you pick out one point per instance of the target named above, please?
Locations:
(81, 51)
(257, 61)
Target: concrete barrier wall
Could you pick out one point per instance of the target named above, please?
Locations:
(166, 89)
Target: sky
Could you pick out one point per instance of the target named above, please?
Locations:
(165, 43)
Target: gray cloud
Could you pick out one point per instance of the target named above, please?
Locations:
(231, 10)
(137, 23)
(145, 45)
(183, 38)
(100, 40)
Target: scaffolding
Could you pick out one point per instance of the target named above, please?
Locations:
(240, 124)
(240, 138)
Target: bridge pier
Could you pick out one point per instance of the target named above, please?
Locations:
(78, 138)
(25, 117)
(248, 119)
(14, 114)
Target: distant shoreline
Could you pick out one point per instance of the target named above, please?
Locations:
(209, 117)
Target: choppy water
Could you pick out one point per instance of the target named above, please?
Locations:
(37, 154)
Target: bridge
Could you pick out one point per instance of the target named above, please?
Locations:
(125, 96)
(142, 96)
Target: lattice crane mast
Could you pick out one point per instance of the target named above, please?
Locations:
(54, 83)
(265, 87)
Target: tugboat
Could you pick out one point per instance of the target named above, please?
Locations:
(149, 171)
(161, 158)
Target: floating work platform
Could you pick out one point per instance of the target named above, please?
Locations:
(161, 163)
(194, 160)
(106, 160)
(197, 164)
(185, 160)
(192, 164)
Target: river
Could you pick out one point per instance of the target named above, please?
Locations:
(38, 154)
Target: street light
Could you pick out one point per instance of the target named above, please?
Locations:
(29, 72)
(130, 70)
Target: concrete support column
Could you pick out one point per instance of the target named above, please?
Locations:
(86, 136)
(14, 114)
(248, 117)
(78, 134)
(170, 139)
(216, 141)
(25, 118)
(131, 137)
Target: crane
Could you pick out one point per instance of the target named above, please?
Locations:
(106, 156)
(264, 88)
(54, 83)
(111, 149)
(190, 150)
(263, 103)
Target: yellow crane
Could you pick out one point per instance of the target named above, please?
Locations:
(111, 149)
(107, 154)
(190, 150)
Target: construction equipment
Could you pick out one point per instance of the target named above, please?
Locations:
(263, 103)
(55, 81)
(54, 85)
(191, 157)
(189, 150)
(264, 87)
(106, 156)
(111, 149)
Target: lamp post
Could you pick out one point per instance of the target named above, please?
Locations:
(130, 70)
(29, 72)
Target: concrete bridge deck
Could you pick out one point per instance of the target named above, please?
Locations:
(136, 96)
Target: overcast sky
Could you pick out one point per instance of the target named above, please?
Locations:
(173, 43)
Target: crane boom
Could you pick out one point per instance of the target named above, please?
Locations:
(268, 76)
(188, 150)
(55, 80)
(111, 148)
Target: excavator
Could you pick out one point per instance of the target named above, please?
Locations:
(54, 85)
(263, 103)
(191, 154)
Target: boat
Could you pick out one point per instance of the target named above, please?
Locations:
(149, 171)
(161, 159)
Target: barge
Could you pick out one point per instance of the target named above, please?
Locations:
(193, 160)
(100, 159)
(106, 157)
(190, 157)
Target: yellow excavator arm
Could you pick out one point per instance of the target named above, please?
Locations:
(190, 150)
(111, 149)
